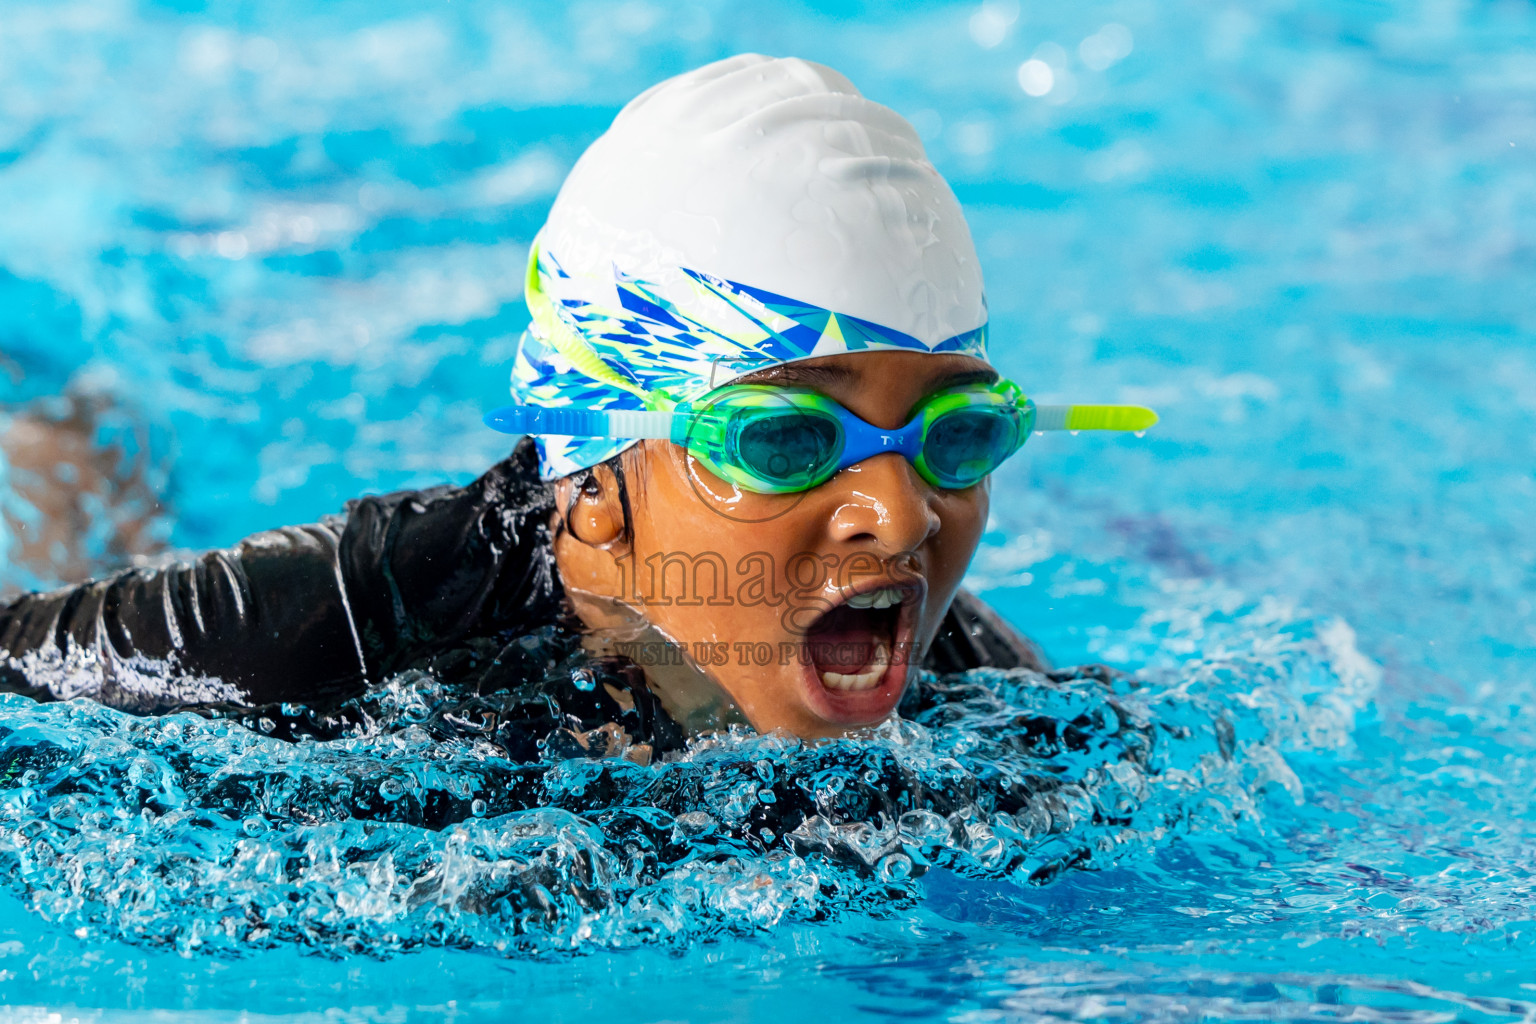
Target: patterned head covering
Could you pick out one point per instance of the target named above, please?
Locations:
(747, 214)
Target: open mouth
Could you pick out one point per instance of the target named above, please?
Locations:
(853, 645)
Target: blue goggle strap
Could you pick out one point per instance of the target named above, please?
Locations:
(619, 424)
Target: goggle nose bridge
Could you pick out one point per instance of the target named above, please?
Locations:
(864, 440)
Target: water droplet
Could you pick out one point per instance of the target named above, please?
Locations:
(895, 867)
(478, 807)
(142, 773)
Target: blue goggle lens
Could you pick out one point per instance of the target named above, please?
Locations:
(963, 446)
(788, 449)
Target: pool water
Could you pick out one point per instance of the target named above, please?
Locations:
(272, 254)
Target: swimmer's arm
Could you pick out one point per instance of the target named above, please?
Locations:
(310, 614)
(262, 622)
(426, 569)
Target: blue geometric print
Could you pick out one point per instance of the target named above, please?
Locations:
(671, 342)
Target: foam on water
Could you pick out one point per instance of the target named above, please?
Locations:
(414, 830)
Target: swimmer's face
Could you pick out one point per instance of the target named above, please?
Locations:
(811, 610)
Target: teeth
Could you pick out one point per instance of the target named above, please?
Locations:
(884, 598)
(866, 680)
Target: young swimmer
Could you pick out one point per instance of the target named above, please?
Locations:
(762, 420)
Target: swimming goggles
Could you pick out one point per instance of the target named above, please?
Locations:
(778, 440)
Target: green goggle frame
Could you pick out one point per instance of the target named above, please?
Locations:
(777, 440)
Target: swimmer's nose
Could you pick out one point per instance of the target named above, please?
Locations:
(885, 504)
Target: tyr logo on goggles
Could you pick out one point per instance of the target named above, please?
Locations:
(776, 440)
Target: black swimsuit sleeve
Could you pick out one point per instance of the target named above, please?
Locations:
(249, 624)
(426, 569)
(972, 635)
(308, 614)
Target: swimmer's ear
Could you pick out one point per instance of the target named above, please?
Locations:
(592, 507)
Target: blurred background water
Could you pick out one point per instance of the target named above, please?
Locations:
(256, 259)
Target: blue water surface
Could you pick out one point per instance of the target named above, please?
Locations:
(281, 244)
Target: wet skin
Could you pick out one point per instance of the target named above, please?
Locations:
(875, 525)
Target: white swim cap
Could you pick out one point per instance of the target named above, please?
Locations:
(778, 174)
(748, 213)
